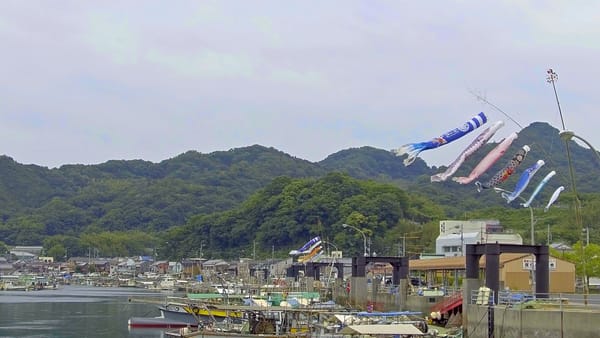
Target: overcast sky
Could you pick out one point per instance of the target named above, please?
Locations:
(90, 81)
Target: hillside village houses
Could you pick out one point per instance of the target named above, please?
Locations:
(27, 260)
(453, 237)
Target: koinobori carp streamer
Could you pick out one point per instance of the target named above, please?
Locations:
(504, 173)
(414, 149)
(477, 143)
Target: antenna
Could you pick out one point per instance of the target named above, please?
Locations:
(486, 101)
(552, 78)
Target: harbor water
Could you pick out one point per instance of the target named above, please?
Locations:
(76, 311)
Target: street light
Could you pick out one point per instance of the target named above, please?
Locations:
(568, 135)
(496, 189)
(587, 235)
(362, 233)
(533, 221)
(331, 244)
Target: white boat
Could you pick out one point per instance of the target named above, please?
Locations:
(167, 283)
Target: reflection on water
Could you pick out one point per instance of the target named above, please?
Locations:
(75, 311)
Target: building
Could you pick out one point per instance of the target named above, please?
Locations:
(6, 268)
(455, 235)
(515, 272)
(32, 249)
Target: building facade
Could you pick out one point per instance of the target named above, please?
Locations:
(456, 234)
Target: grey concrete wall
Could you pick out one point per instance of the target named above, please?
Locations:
(581, 324)
(358, 292)
(524, 323)
(477, 325)
(537, 323)
(508, 323)
(383, 298)
(421, 303)
(469, 286)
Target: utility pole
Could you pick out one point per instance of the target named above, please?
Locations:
(404, 238)
(551, 78)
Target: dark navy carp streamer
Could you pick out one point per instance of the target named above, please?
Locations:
(306, 248)
(413, 149)
(523, 181)
(504, 173)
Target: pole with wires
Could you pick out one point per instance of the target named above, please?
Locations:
(551, 78)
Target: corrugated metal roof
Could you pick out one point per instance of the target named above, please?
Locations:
(382, 329)
(458, 262)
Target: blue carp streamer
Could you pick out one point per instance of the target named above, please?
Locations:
(523, 181)
(477, 143)
(554, 197)
(414, 149)
(539, 188)
(307, 248)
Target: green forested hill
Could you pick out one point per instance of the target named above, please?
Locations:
(193, 188)
(372, 163)
(126, 195)
(288, 212)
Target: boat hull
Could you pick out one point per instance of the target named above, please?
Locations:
(194, 314)
(158, 322)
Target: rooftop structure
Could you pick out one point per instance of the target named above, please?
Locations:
(455, 234)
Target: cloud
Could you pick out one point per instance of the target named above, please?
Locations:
(207, 63)
(114, 38)
(124, 80)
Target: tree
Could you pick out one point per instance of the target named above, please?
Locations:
(3, 248)
(58, 252)
(586, 259)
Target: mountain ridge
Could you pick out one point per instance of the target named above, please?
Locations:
(138, 194)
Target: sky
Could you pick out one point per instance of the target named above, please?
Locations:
(84, 82)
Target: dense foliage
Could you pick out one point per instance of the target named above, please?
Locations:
(260, 200)
(288, 212)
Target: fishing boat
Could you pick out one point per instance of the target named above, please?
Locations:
(198, 312)
(258, 321)
(159, 322)
(303, 322)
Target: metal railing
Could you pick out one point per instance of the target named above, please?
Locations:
(482, 296)
(561, 301)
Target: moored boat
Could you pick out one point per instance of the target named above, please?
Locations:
(157, 322)
(195, 313)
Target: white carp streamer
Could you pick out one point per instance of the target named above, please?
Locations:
(488, 160)
(482, 139)
(554, 197)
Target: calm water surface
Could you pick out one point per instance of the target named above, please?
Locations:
(76, 311)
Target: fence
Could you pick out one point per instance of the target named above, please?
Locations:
(485, 296)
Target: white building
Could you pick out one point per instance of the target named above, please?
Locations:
(455, 235)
